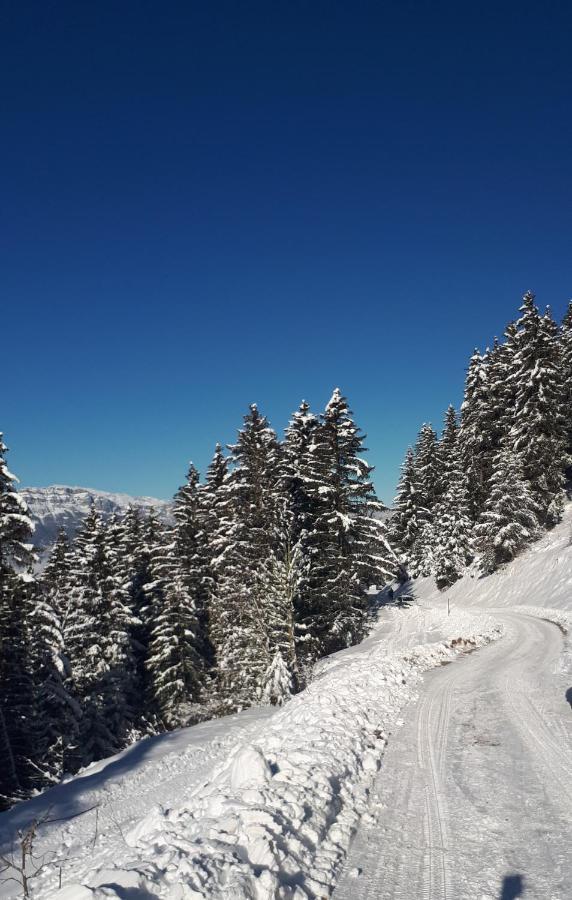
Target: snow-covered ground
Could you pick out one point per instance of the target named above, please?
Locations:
(265, 804)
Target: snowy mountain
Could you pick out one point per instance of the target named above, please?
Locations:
(59, 506)
(265, 804)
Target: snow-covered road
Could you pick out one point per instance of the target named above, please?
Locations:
(479, 802)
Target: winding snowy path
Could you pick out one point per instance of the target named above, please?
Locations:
(479, 802)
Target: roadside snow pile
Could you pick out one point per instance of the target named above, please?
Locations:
(274, 819)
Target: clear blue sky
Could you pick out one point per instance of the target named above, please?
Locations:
(209, 204)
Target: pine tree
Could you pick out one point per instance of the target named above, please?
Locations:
(427, 467)
(447, 452)
(18, 775)
(174, 662)
(277, 685)
(428, 477)
(121, 621)
(538, 433)
(58, 713)
(290, 564)
(509, 520)
(191, 551)
(407, 518)
(98, 635)
(139, 538)
(347, 545)
(246, 540)
(566, 370)
(501, 388)
(297, 467)
(476, 432)
(214, 503)
(453, 548)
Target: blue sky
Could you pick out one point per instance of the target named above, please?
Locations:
(205, 205)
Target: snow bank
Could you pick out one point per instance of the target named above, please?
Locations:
(274, 819)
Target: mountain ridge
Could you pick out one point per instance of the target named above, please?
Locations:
(64, 506)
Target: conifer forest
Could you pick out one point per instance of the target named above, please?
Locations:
(140, 625)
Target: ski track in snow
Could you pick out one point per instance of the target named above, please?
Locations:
(443, 784)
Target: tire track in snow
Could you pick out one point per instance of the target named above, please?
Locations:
(495, 714)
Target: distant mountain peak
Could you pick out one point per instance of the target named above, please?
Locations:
(64, 506)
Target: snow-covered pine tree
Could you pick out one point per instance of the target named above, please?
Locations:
(18, 775)
(509, 521)
(447, 451)
(407, 518)
(281, 577)
(476, 432)
(428, 482)
(538, 433)
(452, 549)
(121, 621)
(214, 500)
(501, 387)
(139, 536)
(444, 545)
(174, 662)
(427, 466)
(347, 545)
(566, 370)
(297, 467)
(98, 635)
(246, 540)
(191, 552)
(58, 713)
(277, 682)
(283, 573)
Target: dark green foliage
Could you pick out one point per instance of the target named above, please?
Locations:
(18, 774)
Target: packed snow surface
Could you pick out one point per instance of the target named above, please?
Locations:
(453, 777)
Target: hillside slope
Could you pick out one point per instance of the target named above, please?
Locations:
(264, 804)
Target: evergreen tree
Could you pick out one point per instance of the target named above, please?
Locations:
(447, 451)
(98, 635)
(566, 370)
(214, 508)
(453, 548)
(509, 520)
(347, 545)
(174, 662)
(58, 713)
(427, 468)
(452, 544)
(297, 468)
(538, 433)
(18, 775)
(247, 537)
(476, 432)
(277, 687)
(138, 540)
(428, 478)
(407, 518)
(501, 388)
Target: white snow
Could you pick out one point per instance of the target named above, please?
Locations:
(264, 804)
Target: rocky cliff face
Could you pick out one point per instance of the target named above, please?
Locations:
(58, 506)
